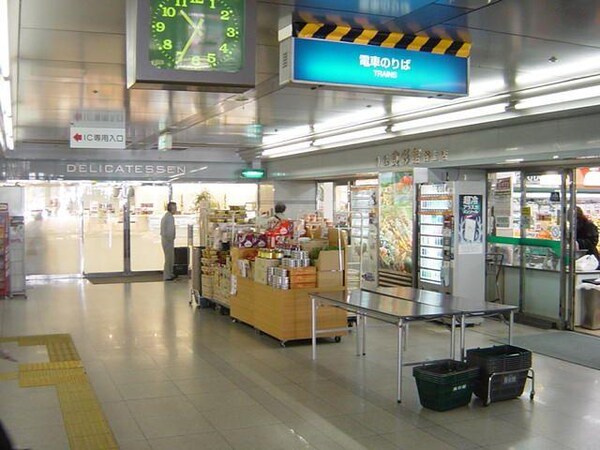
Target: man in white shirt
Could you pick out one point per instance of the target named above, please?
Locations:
(167, 237)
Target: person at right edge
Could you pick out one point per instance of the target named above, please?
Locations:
(167, 238)
(587, 235)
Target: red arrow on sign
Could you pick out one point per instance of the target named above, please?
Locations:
(78, 137)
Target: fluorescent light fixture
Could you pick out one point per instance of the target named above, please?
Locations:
(289, 149)
(559, 97)
(514, 160)
(5, 97)
(354, 118)
(403, 105)
(4, 48)
(445, 120)
(353, 136)
(284, 135)
(486, 87)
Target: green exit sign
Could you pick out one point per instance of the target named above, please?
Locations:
(254, 174)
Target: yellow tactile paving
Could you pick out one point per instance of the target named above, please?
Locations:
(35, 378)
(85, 423)
(50, 365)
(6, 376)
(89, 426)
(43, 339)
(62, 351)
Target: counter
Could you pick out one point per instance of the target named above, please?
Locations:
(283, 314)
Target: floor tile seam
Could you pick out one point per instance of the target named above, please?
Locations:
(427, 429)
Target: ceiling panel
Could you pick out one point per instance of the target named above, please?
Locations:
(100, 16)
(74, 46)
(571, 21)
(72, 58)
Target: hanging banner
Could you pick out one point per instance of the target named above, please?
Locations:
(470, 224)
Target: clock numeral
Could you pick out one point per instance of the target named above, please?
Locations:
(225, 15)
(196, 61)
(181, 3)
(159, 26)
(201, 2)
(167, 44)
(178, 56)
(223, 48)
(231, 32)
(168, 11)
(211, 58)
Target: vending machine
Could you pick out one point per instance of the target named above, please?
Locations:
(451, 233)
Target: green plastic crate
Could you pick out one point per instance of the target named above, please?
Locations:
(445, 384)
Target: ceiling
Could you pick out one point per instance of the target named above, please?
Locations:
(70, 56)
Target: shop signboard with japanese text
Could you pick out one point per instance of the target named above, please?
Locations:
(470, 224)
(344, 64)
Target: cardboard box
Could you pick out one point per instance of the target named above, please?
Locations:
(330, 278)
(330, 260)
(260, 268)
(337, 238)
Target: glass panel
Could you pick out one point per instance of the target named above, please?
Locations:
(52, 229)
(541, 247)
(103, 227)
(363, 249)
(147, 205)
(396, 192)
(342, 205)
(222, 196)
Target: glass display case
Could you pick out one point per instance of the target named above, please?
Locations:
(396, 212)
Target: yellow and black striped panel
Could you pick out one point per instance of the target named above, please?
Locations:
(379, 38)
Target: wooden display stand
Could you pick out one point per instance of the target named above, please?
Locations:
(283, 314)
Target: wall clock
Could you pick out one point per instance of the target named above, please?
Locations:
(191, 44)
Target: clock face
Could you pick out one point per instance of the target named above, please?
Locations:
(197, 35)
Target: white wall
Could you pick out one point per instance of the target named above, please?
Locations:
(539, 140)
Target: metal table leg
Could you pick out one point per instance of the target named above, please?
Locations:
(400, 362)
(452, 337)
(463, 329)
(359, 320)
(364, 334)
(313, 323)
(510, 327)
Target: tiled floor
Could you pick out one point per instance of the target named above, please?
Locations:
(172, 377)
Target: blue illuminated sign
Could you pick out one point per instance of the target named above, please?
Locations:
(319, 61)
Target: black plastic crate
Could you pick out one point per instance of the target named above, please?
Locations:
(512, 365)
(504, 387)
(445, 384)
(500, 358)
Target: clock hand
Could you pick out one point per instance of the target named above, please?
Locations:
(187, 18)
(196, 28)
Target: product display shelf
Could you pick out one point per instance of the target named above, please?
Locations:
(4, 254)
(435, 202)
(283, 314)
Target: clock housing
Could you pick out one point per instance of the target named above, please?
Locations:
(198, 45)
